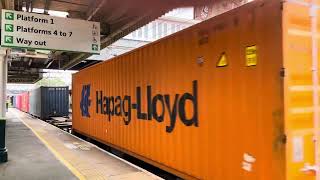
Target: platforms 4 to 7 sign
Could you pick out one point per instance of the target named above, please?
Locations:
(29, 30)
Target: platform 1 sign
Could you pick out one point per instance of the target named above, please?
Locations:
(34, 31)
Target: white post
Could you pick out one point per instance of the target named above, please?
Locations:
(3, 99)
(3, 82)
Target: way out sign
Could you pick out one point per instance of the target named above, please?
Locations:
(34, 31)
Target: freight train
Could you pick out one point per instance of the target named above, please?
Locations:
(44, 102)
(229, 98)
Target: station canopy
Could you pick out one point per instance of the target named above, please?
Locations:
(117, 19)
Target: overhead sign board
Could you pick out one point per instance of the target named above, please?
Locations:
(36, 31)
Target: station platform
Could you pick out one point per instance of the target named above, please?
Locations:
(38, 150)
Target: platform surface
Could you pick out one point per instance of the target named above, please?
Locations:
(38, 150)
(28, 157)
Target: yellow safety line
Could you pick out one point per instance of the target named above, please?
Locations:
(58, 156)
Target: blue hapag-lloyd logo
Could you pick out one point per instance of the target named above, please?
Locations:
(160, 107)
(85, 100)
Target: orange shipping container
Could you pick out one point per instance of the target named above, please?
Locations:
(229, 98)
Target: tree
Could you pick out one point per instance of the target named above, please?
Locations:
(51, 81)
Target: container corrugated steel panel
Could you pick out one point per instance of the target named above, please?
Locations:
(18, 102)
(24, 102)
(14, 101)
(249, 119)
(35, 102)
(46, 102)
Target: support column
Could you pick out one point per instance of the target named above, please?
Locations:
(3, 100)
(3, 83)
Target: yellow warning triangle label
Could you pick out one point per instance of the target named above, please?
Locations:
(222, 61)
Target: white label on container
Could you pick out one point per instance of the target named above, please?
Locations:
(297, 146)
(247, 157)
(247, 162)
(247, 166)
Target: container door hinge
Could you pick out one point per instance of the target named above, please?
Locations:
(309, 168)
(282, 72)
(283, 139)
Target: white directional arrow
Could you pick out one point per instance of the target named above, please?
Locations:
(9, 15)
(9, 28)
(8, 39)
